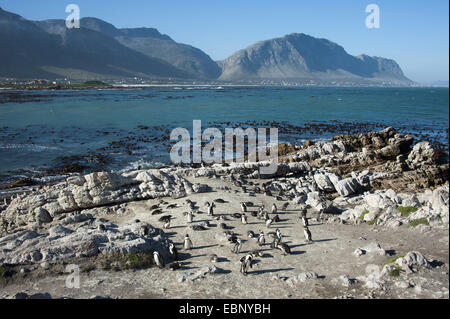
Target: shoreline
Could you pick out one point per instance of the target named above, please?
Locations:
(378, 186)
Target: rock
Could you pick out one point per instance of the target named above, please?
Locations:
(413, 261)
(43, 215)
(347, 187)
(324, 183)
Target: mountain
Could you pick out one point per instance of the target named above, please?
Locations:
(150, 42)
(48, 49)
(299, 57)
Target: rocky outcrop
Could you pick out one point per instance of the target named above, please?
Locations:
(61, 243)
(92, 190)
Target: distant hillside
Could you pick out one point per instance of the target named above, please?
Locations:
(153, 44)
(48, 49)
(302, 57)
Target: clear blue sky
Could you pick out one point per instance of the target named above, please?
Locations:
(414, 33)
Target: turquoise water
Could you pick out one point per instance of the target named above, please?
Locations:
(43, 129)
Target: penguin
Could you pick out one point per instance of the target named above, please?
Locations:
(213, 258)
(156, 212)
(154, 207)
(211, 210)
(274, 208)
(284, 248)
(284, 206)
(198, 227)
(173, 251)
(237, 246)
(171, 206)
(187, 242)
(101, 227)
(243, 207)
(174, 266)
(244, 219)
(254, 214)
(307, 235)
(246, 263)
(158, 260)
(261, 239)
(279, 235)
(250, 234)
(191, 205)
(207, 204)
(165, 218)
(269, 222)
(236, 215)
(305, 221)
(220, 201)
(190, 217)
(223, 226)
(276, 218)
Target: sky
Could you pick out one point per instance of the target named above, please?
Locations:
(415, 33)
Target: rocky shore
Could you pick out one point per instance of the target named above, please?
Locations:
(377, 205)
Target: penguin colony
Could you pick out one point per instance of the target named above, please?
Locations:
(270, 220)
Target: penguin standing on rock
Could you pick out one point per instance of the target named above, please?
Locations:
(307, 234)
(158, 259)
(187, 242)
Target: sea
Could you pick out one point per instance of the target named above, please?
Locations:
(47, 135)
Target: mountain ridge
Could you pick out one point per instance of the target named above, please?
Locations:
(99, 50)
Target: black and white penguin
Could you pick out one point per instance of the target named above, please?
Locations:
(284, 206)
(175, 265)
(173, 251)
(187, 242)
(237, 246)
(276, 218)
(190, 216)
(307, 235)
(246, 263)
(158, 259)
(261, 239)
(171, 206)
(284, 248)
(153, 207)
(305, 221)
(244, 219)
(213, 258)
(269, 222)
(211, 210)
(250, 234)
(156, 212)
(274, 208)
(243, 207)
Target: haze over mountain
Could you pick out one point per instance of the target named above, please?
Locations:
(99, 50)
(300, 57)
